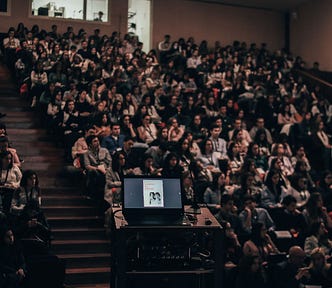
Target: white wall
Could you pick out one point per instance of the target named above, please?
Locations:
(73, 9)
(93, 7)
(211, 22)
(142, 8)
(311, 27)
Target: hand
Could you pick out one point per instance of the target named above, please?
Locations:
(20, 273)
(32, 223)
(302, 272)
(324, 210)
(101, 169)
(246, 209)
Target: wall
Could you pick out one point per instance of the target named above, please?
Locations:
(20, 13)
(213, 22)
(142, 19)
(179, 18)
(311, 26)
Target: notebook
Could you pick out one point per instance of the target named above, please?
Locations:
(152, 200)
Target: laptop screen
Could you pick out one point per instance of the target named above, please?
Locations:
(152, 195)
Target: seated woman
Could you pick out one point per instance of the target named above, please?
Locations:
(114, 178)
(102, 125)
(172, 166)
(279, 152)
(325, 189)
(127, 127)
(301, 170)
(271, 194)
(316, 212)
(263, 144)
(11, 175)
(147, 132)
(4, 146)
(233, 247)
(53, 111)
(147, 167)
(260, 243)
(12, 263)
(69, 121)
(247, 188)
(212, 195)
(31, 222)
(235, 161)
(79, 148)
(286, 119)
(29, 190)
(318, 237)
(322, 146)
(251, 274)
(255, 154)
(183, 150)
(175, 132)
(208, 157)
(297, 189)
(241, 141)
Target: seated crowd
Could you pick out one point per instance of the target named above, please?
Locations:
(249, 138)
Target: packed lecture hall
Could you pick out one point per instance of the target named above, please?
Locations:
(179, 143)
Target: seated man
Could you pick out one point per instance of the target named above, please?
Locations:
(96, 161)
(113, 142)
(219, 144)
(290, 273)
(226, 213)
(252, 214)
(12, 264)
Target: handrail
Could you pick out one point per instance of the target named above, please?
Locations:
(326, 87)
(309, 75)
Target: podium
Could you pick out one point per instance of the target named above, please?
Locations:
(188, 255)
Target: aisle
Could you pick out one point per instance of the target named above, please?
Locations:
(78, 231)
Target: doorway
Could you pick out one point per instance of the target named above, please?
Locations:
(139, 21)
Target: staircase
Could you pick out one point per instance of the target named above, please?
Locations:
(79, 234)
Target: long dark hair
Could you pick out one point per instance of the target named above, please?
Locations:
(115, 163)
(311, 206)
(26, 175)
(3, 155)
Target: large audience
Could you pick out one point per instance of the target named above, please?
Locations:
(250, 139)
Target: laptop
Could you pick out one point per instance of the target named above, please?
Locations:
(152, 200)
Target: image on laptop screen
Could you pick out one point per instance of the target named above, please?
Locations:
(144, 193)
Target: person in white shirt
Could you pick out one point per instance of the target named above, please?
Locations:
(194, 60)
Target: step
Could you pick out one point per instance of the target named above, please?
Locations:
(54, 180)
(20, 125)
(60, 200)
(87, 276)
(76, 222)
(102, 285)
(80, 246)
(18, 132)
(83, 233)
(49, 159)
(54, 191)
(16, 115)
(69, 210)
(92, 260)
(36, 150)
